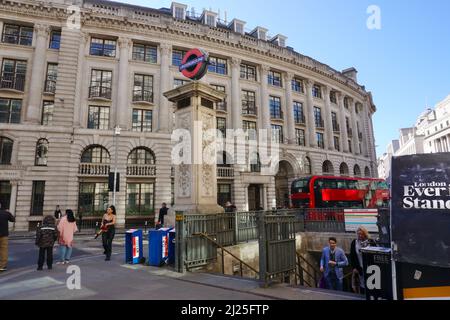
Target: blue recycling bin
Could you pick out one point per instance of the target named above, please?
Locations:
(134, 249)
(158, 247)
(172, 234)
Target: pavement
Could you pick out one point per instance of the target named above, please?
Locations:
(115, 280)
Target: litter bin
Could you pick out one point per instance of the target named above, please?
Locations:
(172, 235)
(158, 246)
(377, 273)
(134, 252)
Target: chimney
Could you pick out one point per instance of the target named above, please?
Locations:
(351, 73)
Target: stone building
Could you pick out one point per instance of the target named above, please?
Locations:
(73, 71)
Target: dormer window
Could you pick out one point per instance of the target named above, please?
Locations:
(179, 11)
(210, 18)
(279, 40)
(237, 26)
(260, 33)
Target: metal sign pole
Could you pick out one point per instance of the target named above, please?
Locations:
(116, 138)
(180, 244)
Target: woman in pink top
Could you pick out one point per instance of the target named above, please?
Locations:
(66, 227)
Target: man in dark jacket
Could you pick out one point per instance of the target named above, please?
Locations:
(162, 213)
(45, 240)
(5, 217)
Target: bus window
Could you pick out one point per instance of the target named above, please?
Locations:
(301, 185)
(363, 184)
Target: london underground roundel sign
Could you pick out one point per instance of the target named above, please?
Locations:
(195, 64)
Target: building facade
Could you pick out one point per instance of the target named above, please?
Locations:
(73, 71)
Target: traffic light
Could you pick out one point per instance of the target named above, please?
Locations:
(111, 182)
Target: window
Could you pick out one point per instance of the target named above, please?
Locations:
(10, 110)
(250, 128)
(349, 130)
(98, 118)
(346, 103)
(37, 198)
(140, 199)
(300, 137)
(334, 122)
(274, 79)
(307, 167)
(142, 156)
(223, 104)
(320, 142)
(6, 147)
(179, 82)
(15, 34)
(41, 152)
(240, 28)
(50, 81)
(222, 126)
(318, 117)
(217, 65)
(317, 91)
(177, 57)
(248, 103)
(13, 74)
(101, 84)
(248, 72)
(55, 39)
(356, 171)
(275, 108)
(47, 112)
(223, 194)
(297, 85)
(299, 116)
(179, 13)
(95, 154)
(336, 143)
(93, 198)
(210, 20)
(277, 133)
(5, 194)
(146, 53)
(255, 163)
(333, 98)
(350, 146)
(103, 47)
(143, 88)
(142, 120)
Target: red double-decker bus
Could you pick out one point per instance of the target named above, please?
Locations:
(339, 192)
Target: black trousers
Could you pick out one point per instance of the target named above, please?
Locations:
(107, 238)
(42, 253)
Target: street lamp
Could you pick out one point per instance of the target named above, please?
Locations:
(116, 139)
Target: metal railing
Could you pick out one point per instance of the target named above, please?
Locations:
(94, 169)
(311, 272)
(141, 170)
(300, 119)
(143, 95)
(100, 92)
(50, 86)
(250, 111)
(12, 81)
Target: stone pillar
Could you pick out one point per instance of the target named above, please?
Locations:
(355, 128)
(195, 177)
(265, 112)
(236, 108)
(13, 201)
(80, 74)
(328, 120)
(365, 131)
(343, 126)
(289, 112)
(164, 110)
(38, 72)
(310, 123)
(271, 194)
(123, 112)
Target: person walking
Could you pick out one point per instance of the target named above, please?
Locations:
(332, 262)
(109, 227)
(362, 241)
(67, 228)
(230, 208)
(46, 236)
(58, 213)
(162, 213)
(5, 218)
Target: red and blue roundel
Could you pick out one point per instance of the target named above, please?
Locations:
(195, 64)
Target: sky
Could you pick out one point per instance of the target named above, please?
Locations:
(405, 63)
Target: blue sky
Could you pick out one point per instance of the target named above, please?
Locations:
(406, 64)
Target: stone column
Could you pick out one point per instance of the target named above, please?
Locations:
(289, 112)
(80, 74)
(365, 131)
(343, 126)
(13, 201)
(265, 112)
(328, 119)
(236, 94)
(123, 112)
(38, 74)
(164, 114)
(310, 123)
(355, 128)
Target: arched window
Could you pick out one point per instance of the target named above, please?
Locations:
(343, 169)
(95, 154)
(141, 156)
(356, 171)
(307, 167)
(41, 152)
(327, 168)
(367, 172)
(255, 163)
(6, 146)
